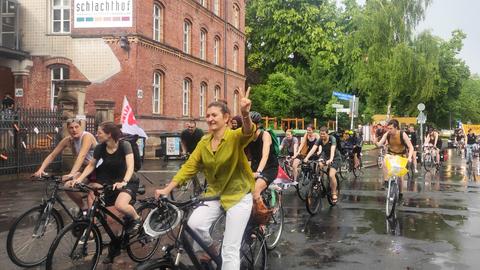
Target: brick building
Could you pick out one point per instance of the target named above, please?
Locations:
(169, 57)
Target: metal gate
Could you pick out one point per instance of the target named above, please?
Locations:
(27, 136)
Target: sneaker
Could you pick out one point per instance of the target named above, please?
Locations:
(135, 226)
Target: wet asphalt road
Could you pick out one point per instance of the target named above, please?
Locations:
(437, 226)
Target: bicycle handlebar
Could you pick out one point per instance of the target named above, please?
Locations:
(192, 202)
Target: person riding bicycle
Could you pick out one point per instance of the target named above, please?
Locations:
(471, 140)
(353, 147)
(412, 135)
(326, 148)
(221, 156)
(113, 163)
(398, 144)
(264, 162)
(460, 140)
(190, 137)
(434, 139)
(306, 145)
(82, 144)
(289, 143)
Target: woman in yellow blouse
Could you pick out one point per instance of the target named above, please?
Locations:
(221, 156)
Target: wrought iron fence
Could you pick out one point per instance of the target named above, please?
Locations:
(27, 136)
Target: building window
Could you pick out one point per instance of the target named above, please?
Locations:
(187, 84)
(203, 44)
(236, 16)
(216, 51)
(235, 58)
(187, 33)
(216, 7)
(61, 16)
(157, 92)
(203, 98)
(8, 24)
(216, 93)
(57, 74)
(203, 3)
(235, 103)
(157, 22)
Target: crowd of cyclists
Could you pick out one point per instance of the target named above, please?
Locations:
(239, 160)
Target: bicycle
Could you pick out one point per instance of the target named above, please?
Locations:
(429, 158)
(80, 243)
(320, 188)
(305, 176)
(253, 250)
(286, 163)
(272, 197)
(32, 233)
(393, 191)
(190, 188)
(350, 164)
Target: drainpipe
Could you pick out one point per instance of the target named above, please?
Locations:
(225, 13)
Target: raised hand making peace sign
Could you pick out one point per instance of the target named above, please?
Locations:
(245, 102)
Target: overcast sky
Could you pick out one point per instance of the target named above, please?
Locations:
(444, 16)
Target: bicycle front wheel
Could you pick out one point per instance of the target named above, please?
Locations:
(74, 249)
(391, 198)
(314, 199)
(303, 185)
(428, 162)
(141, 246)
(186, 191)
(31, 235)
(275, 227)
(253, 252)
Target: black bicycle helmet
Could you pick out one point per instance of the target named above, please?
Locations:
(162, 220)
(256, 117)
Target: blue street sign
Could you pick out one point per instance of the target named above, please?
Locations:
(342, 96)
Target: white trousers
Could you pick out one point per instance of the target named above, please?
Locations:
(237, 218)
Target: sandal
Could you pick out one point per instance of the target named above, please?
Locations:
(334, 198)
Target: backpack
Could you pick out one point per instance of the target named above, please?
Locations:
(339, 141)
(132, 139)
(275, 142)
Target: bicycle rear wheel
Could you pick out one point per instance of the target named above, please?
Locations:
(141, 246)
(391, 198)
(253, 252)
(74, 249)
(31, 235)
(314, 199)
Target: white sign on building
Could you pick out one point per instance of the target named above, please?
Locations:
(103, 13)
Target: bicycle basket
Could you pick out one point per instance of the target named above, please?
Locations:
(162, 220)
(396, 165)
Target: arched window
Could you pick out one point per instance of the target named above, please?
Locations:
(216, 51)
(235, 58)
(203, 44)
(216, 93)
(203, 98)
(187, 34)
(187, 85)
(216, 7)
(236, 16)
(235, 102)
(61, 16)
(157, 92)
(157, 22)
(58, 73)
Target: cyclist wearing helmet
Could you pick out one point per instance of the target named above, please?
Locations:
(221, 156)
(264, 162)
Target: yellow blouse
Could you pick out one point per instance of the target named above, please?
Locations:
(227, 171)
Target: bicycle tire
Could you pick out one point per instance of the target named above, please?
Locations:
(158, 264)
(142, 238)
(343, 170)
(428, 163)
(253, 252)
(410, 172)
(357, 171)
(313, 200)
(273, 238)
(188, 190)
(12, 233)
(303, 183)
(391, 198)
(74, 230)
